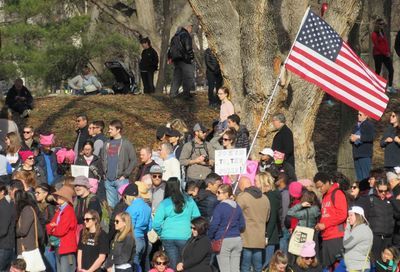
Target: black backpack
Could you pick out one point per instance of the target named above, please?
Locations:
(176, 50)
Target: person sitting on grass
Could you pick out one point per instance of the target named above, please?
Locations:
(20, 99)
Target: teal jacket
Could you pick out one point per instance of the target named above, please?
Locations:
(175, 226)
(312, 213)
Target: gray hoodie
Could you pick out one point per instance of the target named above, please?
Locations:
(357, 243)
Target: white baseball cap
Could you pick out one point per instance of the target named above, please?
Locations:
(267, 151)
(360, 211)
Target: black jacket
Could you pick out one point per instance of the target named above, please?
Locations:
(196, 254)
(381, 223)
(396, 210)
(121, 252)
(206, 202)
(363, 148)
(7, 225)
(82, 135)
(273, 228)
(13, 93)
(283, 142)
(34, 146)
(242, 138)
(183, 50)
(211, 62)
(119, 208)
(144, 169)
(392, 150)
(95, 167)
(149, 60)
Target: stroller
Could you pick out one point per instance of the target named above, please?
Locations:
(125, 79)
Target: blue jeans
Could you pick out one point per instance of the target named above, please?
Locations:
(362, 167)
(269, 252)
(251, 257)
(173, 248)
(140, 250)
(50, 260)
(112, 187)
(284, 241)
(6, 257)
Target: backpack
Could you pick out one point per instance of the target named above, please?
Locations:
(176, 50)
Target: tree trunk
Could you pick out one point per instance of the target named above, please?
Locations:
(246, 47)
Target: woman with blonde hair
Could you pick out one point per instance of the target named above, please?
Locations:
(307, 261)
(13, 143)
(93, 244)
(266, 183)
(279, 263)
(123, 245)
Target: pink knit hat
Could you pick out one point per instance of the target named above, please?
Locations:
(295, 189)
(306, 182)
(64, 155)
(308, 249)
(46, 139)
(25, 154)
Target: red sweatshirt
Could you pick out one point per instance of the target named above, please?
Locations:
(381, 44)
(65, 230)
(333, 216)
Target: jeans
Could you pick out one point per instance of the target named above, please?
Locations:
(183, 75)
(6, 257)
(50, 260)
(112, 187)
(66, 262)
(269, 252)
(251, 257)
(284, 241)
(148, 81)
(362, 167)
(229, 257)
(140, 250)
(387, 61)
(173, 248)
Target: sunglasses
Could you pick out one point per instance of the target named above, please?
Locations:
(226, 139)
(382, 191)
(88, 219)
(161, 263)
(157, 176)
(309, 258)
(27, 132)
(354, 187)
(30, 158)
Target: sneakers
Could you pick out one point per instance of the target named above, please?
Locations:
(391, 89)
(25, 113)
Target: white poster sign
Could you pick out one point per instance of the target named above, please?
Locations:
(230, 161)
(79, 170)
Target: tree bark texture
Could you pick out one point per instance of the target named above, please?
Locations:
(247, 37)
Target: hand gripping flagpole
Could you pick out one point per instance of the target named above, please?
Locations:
(273, 93)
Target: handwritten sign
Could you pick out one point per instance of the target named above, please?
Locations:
(79, 170)
(230, 161)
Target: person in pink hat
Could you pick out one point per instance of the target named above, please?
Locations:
(47, 159)
(295, 192)
(28, 165)
(307, 261)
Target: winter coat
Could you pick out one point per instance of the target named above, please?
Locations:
(380, 44)
(196, 254)
(186, 53)
(283, 142)
(13, 93)
(357, 243)
(206, 202)
(333, 215)
(95, 167)
(242, 138)
(119, 208)
(82, 135)
(220, 219)
(7, 225)
(121, 252)
(308, 217)
(392, 150)
(144, 169)
(273, 227)
(149, 60)
(381, 223)
(396, 211)
(65, 229)
(41, 162)
(25, 232)
(84, 204)
(170, 225)
(363, 147)
(211, 61)
(256, 211)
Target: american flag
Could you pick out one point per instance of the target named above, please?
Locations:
(321, 57)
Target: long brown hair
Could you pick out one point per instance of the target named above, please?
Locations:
(121, 235)
(278, 258)
(15, 143)
(27, 177)
(86, 233)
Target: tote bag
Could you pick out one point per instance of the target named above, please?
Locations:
(33, 258)
(299, 236)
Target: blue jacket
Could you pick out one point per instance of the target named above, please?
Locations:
(170, 225)
(220, 220)
(140, 213)
(41, 162)
(363, 147)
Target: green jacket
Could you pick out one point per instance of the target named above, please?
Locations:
(297, 211)
(273, 224)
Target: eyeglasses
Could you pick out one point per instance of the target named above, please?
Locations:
(27, 132)
(161, 263)
(382, 191)
(116, 221)
(309, 258)
(88, 219)
(226, 139)
(354, 187)
(157, 176)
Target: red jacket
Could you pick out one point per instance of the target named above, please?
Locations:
(65, 230)
(381, 44)
(333, 215)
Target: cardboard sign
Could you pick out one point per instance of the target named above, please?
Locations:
(230, 161)
(79, 170)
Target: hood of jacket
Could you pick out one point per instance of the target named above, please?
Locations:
(254, 191)
(230, 202)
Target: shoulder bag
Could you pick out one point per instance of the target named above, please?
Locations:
(216, 245)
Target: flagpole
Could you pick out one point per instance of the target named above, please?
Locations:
(273, 92)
